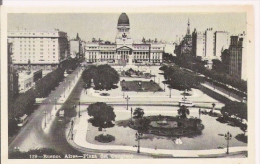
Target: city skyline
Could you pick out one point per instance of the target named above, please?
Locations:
(163, 26)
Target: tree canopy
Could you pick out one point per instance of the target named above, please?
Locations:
(238, 109)
(143, 124)
(138, 113)
(104, 76)
(102, 114)
(218, 73)
(180, 79)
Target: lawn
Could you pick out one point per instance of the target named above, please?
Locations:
(140, 86)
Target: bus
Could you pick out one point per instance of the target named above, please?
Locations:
(22, 120)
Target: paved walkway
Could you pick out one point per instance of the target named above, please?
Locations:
(79, 142)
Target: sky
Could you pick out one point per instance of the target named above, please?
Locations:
(163, 26)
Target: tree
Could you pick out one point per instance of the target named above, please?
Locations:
(217, 65)
(104, 76)
(183, 81)
(44, 86)
(235, 108)
(244, 128)
(143, 124)
(12, 126)
(138, 113)
(102, 114)
(183, 111)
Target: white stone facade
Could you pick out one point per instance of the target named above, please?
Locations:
(124, 50)
(41, 48)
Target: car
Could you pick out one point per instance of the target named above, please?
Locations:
(186, 103)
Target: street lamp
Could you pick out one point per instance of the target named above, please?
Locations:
(79, 109)
(213, 106)
(127, 99)
(45, 113)
(131, 114)
(170, 92)
(55, 98)
(64, 91)
(228, 137)
(69, 84)
(199, 112)
(229, 89)
(138, 136)
(213, 83)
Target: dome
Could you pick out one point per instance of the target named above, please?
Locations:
(123, 19)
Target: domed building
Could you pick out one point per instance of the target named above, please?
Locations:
(124, 50)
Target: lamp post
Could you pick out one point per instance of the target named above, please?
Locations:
(170, 92)
(64, 91)
(131, 114)
(55, 98)
(213, 107)
(199, 112)
(229, 92)
(213, 83)
(79, 109)
(69, 84)
(138, 136)
(45, 123)
(127, 99)
(228, 137)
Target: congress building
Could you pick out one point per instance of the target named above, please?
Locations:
(124, 50)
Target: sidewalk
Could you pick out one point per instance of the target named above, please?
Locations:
(221, 93)
(80, 143)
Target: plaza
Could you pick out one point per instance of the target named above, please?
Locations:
(210, 141)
